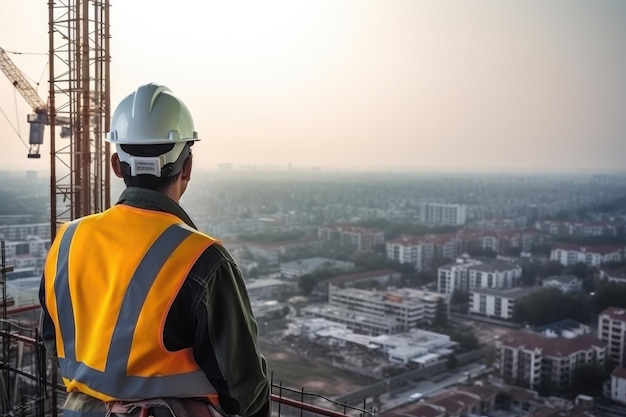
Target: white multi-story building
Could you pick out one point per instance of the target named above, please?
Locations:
(565, 283)
(361, 238)
(409, 307)
(414, 250)
(569, 254)
(360, 322)
(444, 214)
(467, 274)
(271, 252)
(618, 385)
(526, 359)
(497, 303)
(24, 231)
(612, 330)
(28, 253)
(301, 267)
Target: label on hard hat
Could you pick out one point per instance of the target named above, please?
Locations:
(145, 166)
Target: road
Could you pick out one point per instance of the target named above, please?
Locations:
(429, 388)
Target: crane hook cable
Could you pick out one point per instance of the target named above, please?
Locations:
(17, 132)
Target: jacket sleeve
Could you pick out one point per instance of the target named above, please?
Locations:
(46, 326)
(225, 345)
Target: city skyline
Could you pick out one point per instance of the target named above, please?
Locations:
(364, 85)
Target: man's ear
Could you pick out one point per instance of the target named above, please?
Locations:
(186, 171)
(116, 165)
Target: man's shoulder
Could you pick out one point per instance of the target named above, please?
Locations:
(211, 259)
(217, 252)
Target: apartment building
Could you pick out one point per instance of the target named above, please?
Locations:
(359, 322)
(24, 231)
(361, 238)
(444, 214)
(305, 266)
(383, 277)
(410, 307)
(271, 252)
(499, 241)
(27, 253)
(526, 359)
(570, 254)
(497, 302)
(618, 385)
(475, 273)
(612, 330)
(565, 228)
(415, 250)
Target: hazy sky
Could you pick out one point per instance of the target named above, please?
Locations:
(357, 84)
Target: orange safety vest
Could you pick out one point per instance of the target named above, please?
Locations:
(110, 279)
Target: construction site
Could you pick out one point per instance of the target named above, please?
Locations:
(73, 119)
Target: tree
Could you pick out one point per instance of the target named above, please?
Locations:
(441, 315)
(548, 305)
(306, 283)
(466, 339)
(460, 297)
(609, 294)
(530, 273)
(490, 355)
(588, 379)
(551, 268)
(541, 250)
(452, 361)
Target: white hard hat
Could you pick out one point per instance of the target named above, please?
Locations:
(152, 115)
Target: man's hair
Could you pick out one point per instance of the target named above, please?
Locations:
(150, 182)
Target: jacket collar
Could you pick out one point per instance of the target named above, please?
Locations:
(153, 200)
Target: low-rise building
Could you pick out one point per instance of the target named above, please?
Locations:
(565, 283)
(414, 250)
(410, 307)
(618, 385)
(383, 277)
(361, 238)
(612, 330)
(570, 254)
(473, 273)
(567, 328)
(444, 214)
(359, 322)
(526, 359)
(267, 288)
(497, 302)
(271, 252)
(301, 267)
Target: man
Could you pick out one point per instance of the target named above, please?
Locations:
(137, 304)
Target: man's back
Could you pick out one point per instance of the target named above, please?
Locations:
(135, 302)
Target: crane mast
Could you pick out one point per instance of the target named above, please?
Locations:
(79, 63)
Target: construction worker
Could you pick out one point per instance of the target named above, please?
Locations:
(143, 311)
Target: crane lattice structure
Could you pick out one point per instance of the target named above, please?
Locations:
(40, 117)
(79, 63)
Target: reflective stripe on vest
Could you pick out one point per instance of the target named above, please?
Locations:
(108, 382)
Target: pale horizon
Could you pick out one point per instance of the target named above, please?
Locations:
(358, 85)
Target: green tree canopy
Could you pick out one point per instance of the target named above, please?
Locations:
(588, 379)
(549, 305)
(609, 294)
